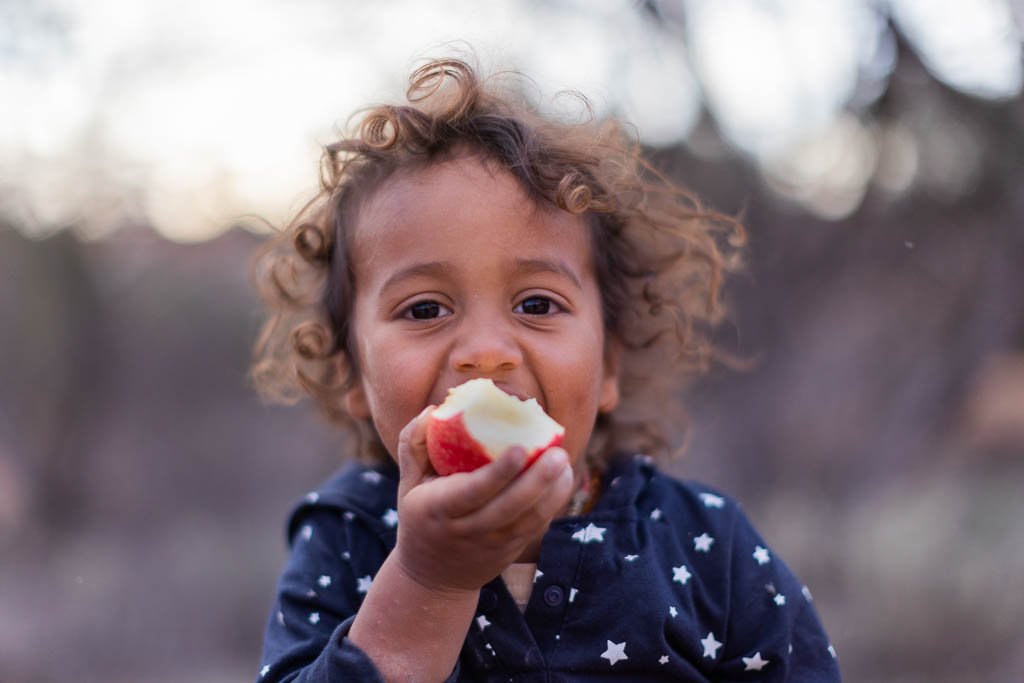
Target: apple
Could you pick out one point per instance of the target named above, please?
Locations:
(478, 422)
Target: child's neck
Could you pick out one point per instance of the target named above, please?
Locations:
(531, 552)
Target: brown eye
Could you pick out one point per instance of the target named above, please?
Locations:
(535, 305)
(425, 310)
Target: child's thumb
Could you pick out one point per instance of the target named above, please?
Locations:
(413, 463)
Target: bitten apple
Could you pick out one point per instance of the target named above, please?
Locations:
(478, 422)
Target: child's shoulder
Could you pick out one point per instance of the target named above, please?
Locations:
(698, 547)
(355, 492)
(649, 485)
(700, 517)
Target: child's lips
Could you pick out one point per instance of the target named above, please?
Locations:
(512, 392)
(508, 389)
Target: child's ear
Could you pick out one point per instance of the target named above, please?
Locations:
(609, 399)
(355, 402)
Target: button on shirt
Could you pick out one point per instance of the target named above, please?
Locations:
(662, 581)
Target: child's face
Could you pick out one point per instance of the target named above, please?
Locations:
(459, 275)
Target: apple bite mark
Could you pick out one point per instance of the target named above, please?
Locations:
(478, 422)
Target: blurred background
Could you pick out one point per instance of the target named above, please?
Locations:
(875, 149)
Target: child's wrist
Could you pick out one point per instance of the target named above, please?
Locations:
(442, 590)
(400, 647)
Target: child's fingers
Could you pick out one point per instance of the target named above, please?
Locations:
(536, 518)
(413, 463)
(540, 493)
(469, 491)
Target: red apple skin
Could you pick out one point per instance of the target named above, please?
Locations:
(451, 448)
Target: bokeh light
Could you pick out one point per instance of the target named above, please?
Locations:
(189, 115)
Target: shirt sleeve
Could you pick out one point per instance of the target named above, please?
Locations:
(330, 568)
(773, 631)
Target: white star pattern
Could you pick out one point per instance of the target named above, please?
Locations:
(590, 533)
(615, 652)
(710, 645)
(311, 593)
(702, 543)
(755, 663)
(712, 501)
(681, 574)
(265, 670)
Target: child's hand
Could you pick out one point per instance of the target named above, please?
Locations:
(458, 532)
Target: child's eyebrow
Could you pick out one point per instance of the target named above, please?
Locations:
(426, 269)
(522, 265)
(535, 265)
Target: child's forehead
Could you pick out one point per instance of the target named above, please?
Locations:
(416, 187)
(466, 188)
(463, 208)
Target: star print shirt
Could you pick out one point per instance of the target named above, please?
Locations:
(663, 581)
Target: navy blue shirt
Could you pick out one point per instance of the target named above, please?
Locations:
(662, 581)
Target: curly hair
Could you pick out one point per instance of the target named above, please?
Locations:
(660, 256)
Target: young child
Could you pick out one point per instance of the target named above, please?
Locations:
(464, 235)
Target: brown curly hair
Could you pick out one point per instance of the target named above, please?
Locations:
(660, 257)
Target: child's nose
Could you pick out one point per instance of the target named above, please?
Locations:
(485, 348)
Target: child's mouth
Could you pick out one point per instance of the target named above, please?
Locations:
(512, 392)
(508, 389)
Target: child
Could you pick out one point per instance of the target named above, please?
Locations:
(464, 235)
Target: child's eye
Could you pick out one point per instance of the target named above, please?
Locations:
(426, 310)
(536, 305)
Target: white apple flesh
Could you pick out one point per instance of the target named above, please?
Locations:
(479, 422)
